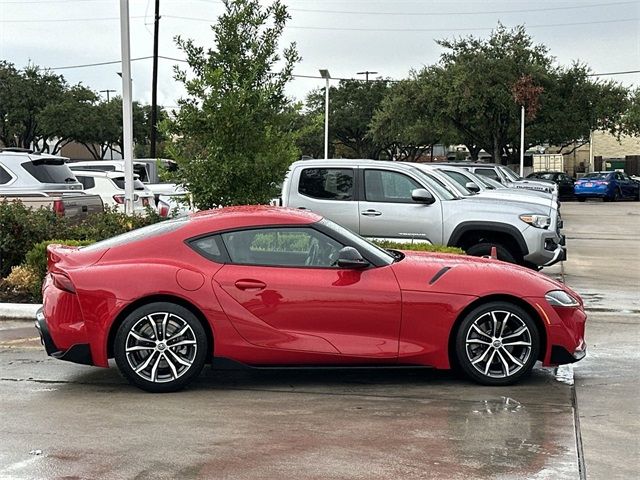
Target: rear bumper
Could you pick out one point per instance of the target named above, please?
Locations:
(78, 353)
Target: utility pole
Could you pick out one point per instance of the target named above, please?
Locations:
(154, 84)
(108, 98)
(366, 74)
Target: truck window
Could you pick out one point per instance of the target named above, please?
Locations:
(387, 186)
(487, 172)
(327, 183)
(141, 171)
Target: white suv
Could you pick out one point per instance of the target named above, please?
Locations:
(110, 187)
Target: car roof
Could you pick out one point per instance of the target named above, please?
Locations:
(118, 163)
(249, 216)
(94, 173)
(347, 162)
(469, 164)
(20, 156)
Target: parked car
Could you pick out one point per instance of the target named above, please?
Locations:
(476, 184)
(506, 176)
(168, 197)
(291, 288)
(564, 181)
(610, 186)
(110, 187)
(44, 181)
(397, 201)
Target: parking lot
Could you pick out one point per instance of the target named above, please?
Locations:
(61, 420)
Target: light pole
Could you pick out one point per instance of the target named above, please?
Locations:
(366, 74)
(522, 141)
(327, 76)
(127, 108)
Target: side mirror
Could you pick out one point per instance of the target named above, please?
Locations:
(421, 195)
(349, 257)
(472, 187)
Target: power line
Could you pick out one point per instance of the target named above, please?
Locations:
(612, 73)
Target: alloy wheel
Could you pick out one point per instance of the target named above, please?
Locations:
(161, 347)
(498, 344)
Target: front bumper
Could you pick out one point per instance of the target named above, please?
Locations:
(78, 353)
(561, 356)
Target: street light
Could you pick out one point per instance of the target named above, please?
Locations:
(127, 109)
(327, 76)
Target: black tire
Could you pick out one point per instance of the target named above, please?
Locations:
(484, 250)
(582, 199)
(168, 368)
(503, 366)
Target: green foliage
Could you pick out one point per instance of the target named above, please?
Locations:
(232, 134)
(22, 228)
(352, 105)
(35, 261)
(418, 247)
(21, 285)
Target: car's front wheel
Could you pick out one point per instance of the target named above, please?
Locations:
(160, 347)
(497, 343)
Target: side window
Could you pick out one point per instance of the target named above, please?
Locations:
(87, 182)
(327, 183)
(208, 247)
(286, 246)
(387, 186)
(487, 172)
(458, 177)
(4, 176)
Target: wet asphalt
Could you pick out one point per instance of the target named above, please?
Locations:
(64, 421)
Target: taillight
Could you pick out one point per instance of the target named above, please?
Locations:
(58, 207)
(163, 210)
(63, 282)
(119, 199)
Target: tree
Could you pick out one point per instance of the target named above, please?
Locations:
(631, 119)
(23, 97)
(232, 136)
(407, 121)
(308, 128)
(352, 105)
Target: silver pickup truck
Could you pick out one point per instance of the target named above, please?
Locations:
(396, 201)
(44, 181)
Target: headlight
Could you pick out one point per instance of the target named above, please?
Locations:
(538, 221)
(560, 298)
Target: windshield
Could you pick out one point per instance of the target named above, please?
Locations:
(461, 181)
(490, 182)
(360, 242)
(444, 192)
(509, 174)
(597, 175)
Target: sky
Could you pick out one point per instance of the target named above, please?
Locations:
(390, 37)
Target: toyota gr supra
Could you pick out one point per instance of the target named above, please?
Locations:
(273, 287)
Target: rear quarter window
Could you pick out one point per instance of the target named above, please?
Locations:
(4, 176)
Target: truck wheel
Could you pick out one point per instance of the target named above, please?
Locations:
(484, 250)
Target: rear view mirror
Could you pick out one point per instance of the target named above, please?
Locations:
(421, 195)
(472, 187)
(349, 257)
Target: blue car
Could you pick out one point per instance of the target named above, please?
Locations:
(610, 186)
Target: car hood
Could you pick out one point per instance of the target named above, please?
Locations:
(520, 196)
(467, 275)
(505, 205)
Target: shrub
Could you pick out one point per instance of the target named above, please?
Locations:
(418, 247)
(24, 282)
(20, 229)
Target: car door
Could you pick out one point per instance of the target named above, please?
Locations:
(565, 184)
(327, 191)
(388, 211)
(626, 184)
(281, 290)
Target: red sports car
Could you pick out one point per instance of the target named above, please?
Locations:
(267, 286)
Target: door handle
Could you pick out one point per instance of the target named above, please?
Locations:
(248, 284)
(371, 213)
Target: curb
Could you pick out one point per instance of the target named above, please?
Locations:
(18, 311)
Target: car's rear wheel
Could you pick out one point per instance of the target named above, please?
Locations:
(484, 250)
(497, 343)
(160, 347)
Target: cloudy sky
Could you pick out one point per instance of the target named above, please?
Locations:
(344, 36)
